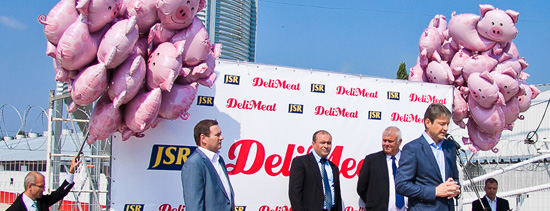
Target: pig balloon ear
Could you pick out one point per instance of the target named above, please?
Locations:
(513, 14)
(484, 8)
(202, 4)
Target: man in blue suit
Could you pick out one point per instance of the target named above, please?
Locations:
(427, 172)
(204, 178)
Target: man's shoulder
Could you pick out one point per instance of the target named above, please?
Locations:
(302, 158)
(416, 142)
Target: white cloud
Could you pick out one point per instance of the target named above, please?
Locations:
(12, 23)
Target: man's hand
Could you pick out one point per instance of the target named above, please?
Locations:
(74, 164)
(448, 189)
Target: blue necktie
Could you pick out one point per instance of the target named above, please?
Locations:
(399, 200)
(328, 193)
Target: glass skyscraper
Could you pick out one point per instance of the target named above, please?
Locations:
(233, 24)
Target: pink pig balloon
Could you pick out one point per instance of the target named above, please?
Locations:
(497, 25)
(164, 65)
(462, 28)
(141, 111)
(439, 22)
(200, 73)
(118, 42)
(530, 92)
(100, 12)
(477, 64)
(447, 51)
(490, 120)
(460, 108)
(146, 13)
(61, 16)
(176, 15)
(511, 112)
(507, 83)
(416, 73)
(430, 43)
(127, 80)
(196, 43)
(177, 102)
(439, 73)
(517, 65)
(484, 91)
(88, 86)
(479, 139)
(457, 63)
(77, 47)
(63, 75)
(104, 121)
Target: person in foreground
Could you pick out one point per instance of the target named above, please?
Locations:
(34, 200)
(427, 172)
(376, 183)
(491, 201)
(314, 182)
(204, 178)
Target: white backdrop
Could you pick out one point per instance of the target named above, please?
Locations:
(258, 108)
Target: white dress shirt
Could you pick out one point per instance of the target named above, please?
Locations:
(391, 201)
(437, 150)
(330, 177)
(214, 159)
(492, 204)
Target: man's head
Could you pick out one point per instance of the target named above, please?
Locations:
(34, 185)
(208, 135)
(391, 140)
(322, 143)
(491, 187)
(436, 121)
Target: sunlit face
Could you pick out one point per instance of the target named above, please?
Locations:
(37, 188)
(322, 145)
(491, 190)
(214, 141)
(438, 128)
(390, 144)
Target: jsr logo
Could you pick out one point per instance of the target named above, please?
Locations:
(169, 157)
(375, 115)
(133, 207)
(393, 95)
(320, 88)
(205, 101)
(295, 108)
(232, 79)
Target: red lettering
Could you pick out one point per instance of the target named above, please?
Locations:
(242, 158)
(165, 207)
(347, 165)
(269, 165)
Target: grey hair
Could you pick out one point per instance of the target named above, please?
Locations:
(393, 130)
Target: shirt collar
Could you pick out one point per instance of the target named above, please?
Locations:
(28, 201)
(489, 200)
(212, 156)
(316, 156)
(430, 141)
(397, 156)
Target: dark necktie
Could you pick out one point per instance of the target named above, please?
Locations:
(399, 200)
(328, 193)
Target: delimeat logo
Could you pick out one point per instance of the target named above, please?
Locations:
(335, 112)
(133, 207)
(250, 105)
(393, 95)
(377, 115)
(319, 88)
(427, 99)
(295, 108)
(169, 157)
(205, 101)
(356, 92)
(231, 79)
(413, 118)
(168, 207)
(275, 84)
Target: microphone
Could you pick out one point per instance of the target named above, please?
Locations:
(450, 138)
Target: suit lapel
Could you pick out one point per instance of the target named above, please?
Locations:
(427, 149)
(383, 166)
(213, 171)
(447, 152)
(313, 163)
(226, 175)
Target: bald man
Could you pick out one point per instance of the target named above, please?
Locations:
(33, 200)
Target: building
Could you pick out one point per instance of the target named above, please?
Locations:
(233, 24)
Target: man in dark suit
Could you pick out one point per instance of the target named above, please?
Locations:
(314, 182)
(376, 184)
(491, 202)
(32, 199)
(206, 185)
(427, 172)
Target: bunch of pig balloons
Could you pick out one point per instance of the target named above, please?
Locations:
(477, 55)
(141, 60)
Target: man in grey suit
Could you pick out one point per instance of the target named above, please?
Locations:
(427, 172)
(204, 178)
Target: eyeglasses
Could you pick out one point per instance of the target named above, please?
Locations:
(41, 187)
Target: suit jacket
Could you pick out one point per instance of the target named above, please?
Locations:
(418, 175)
(202, 188)
(43, 203)
(373, 183)
(502, 204)
(305, 186)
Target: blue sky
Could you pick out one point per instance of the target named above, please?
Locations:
(357, 37)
